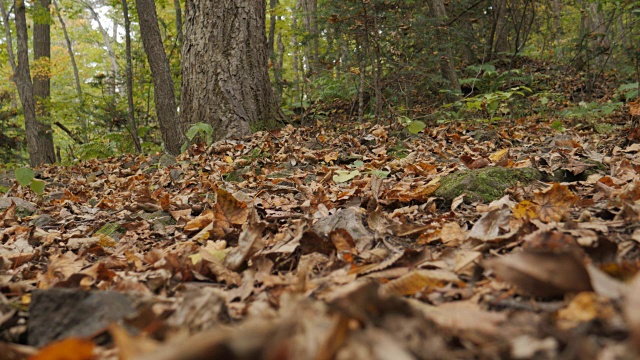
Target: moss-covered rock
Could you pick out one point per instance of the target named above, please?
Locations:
(485, 184)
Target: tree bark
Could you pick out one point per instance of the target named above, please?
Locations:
(39, 135)
(225, 80)
(133, 128)
(447, 67)
(161, 73)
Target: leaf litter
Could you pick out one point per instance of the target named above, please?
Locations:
(330, 242)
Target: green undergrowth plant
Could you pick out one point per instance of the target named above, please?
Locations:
(198, 132)
(486, 79)
(26, 177)
(628, 91)
(491, 106)
(591, 114)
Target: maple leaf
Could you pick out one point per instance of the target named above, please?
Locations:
(554, 202)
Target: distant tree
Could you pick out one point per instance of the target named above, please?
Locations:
(161, 72)
(225, 80)
(133, 128)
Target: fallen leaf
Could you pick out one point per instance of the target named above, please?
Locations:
(67, 349)
(554, 202)
(542, 273)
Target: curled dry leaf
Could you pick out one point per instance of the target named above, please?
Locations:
(542, 273)
(249, 243)
(493, 226)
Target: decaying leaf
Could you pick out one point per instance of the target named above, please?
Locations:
(555, 202)
(542, 273)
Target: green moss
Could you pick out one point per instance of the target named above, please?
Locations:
(485, 184)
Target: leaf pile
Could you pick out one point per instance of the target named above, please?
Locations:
(330, 242)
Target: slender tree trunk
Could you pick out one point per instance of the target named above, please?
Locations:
(76, 74)
(133, 128)
(107, 44)
(9, 39)
(161, 73)
(178, 10)
(39, 135)
(277, 68)
(42, 58)
(447, 66)
(556, 7)
(225, 79)
(294, 57)
(272, 28)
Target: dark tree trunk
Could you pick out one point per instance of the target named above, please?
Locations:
(162, 83)
(447, 66)
(39, 135)
(133, 128)
(225, 80)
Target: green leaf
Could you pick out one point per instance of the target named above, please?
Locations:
(37, 186)
(357, 164)
(416, 126)
(24, 175)
(557, 126)
(344, 175)
(380, 173)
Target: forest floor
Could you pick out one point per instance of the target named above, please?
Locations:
(333, 241)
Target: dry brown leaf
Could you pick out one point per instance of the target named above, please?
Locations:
(421, 280)
(493, 226)
(542, 273)
(555, 202)
(631, 309)
(249, 243)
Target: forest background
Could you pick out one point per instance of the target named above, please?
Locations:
(413, 62)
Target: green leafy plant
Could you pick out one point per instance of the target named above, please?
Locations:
(493, 105)
(412, 126)
(198, 131)
(487, 79)
(26, 177)
(629, 91)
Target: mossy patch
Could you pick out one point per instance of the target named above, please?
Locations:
(485, 184)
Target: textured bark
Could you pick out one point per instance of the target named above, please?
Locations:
(225, 80)
(42, 56)
(39, 135)
(162, 82)
(133, 128)
(447, 67)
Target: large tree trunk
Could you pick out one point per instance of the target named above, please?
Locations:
(162, 83)
(39, 135)
(225, 80)
(133, 127)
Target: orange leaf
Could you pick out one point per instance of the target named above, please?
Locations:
(68, 349)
